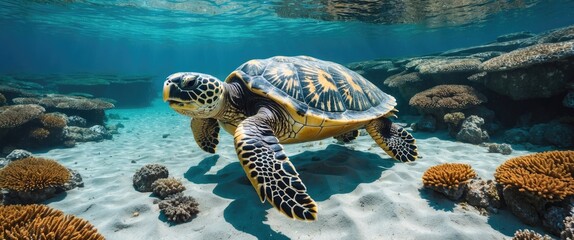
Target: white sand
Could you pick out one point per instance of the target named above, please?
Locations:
(361, 192)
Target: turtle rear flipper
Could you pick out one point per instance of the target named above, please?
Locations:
(348, 136)
(270, 171)
(206, 133)
(395, 140)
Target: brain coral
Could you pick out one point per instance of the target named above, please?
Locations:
(16, 115)
(448, 175)
(164, 187)
(447, 97)
(540, 53)
(549, 175)
(32, 173)
(31, 222)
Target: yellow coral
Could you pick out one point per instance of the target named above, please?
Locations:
(448, 175)
(51, 120)
(34, 221)
(39, 133)
(33, 173)
(549, 175)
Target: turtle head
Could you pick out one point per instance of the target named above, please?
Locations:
(193, 94)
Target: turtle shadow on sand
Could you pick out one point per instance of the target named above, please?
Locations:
(334, 170)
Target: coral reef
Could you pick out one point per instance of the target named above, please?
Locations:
(178, 208)
(16, 115)
(27, 222)
(164, 187)
(449, 179)
(568, 232)
(471, 131)
(146, 175)
(51, 120)
(484, 194)
(76, 121)
(540, 53)
(444, 99)
(94, 133)
(32, 180)
(526, 234)
(448, 65)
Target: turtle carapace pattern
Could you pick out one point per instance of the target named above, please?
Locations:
(265, 103)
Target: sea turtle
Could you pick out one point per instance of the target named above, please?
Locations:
(268, 102)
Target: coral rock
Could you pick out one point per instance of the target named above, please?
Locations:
(504, 149)
(553, 220)
(540, 53)
(516, 135)
(76, 121)
(471, 131)
(18, 154)
(568, 232)
(16, 115)
(449, 179)
(146, 175)
(484, 194)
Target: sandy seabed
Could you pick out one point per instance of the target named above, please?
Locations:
(361, 192)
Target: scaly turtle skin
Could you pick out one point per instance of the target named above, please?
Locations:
(268, 102)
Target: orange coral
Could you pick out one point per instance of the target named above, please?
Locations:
(549, 175)
(39, 133)
(32, 173)
(448, 175)
(51, 120)
(42, 222)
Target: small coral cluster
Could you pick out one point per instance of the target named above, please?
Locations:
(526, 234)
(175, 206)
(30, 222)
(538, 189)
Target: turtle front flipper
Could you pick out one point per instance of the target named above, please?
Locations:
(348, 136)
(395, 140)
(270, 171)
(206, 133)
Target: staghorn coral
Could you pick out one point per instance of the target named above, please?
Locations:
(526, 234)
(28, 222)
(448, 178)
(16, 115)
(539, 53)
(39, 133)
(549, 175)
(442, 99)
(51, 120)
(164, 187)
(178, 208)
(30, 174)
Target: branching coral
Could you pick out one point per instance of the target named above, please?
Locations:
(164, 187)
(16, 115)
(51, 120)
(27, 222)
(178, 208)
(447, 98)
(448, 175)
(32, 173)
(549, 175)
(540, 53)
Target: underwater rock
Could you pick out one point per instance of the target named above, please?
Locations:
(471, 131)
(76, 121)
(74, 181)
(568, 100)
(94, 133)
(425, 124)
(553, 219)
(524, 57)
(559, 134)
(504, 149)
(523, 205)
(506, 46)
(536, 134)
(448, 65)
(516, 135)
(146, 175)
(484, 194)
(179, 208)
(18, 154)
(556, 35)
(514, 36)
(568, 231)
(374, 70)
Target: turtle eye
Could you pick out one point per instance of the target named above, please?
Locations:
(189, 81)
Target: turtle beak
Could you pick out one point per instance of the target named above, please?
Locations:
(171, 91)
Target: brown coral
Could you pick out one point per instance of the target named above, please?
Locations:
(549, 175)
(164, 187)
(16, 115)
(39, 133)
(178, 208)
(448, 175)
(51, 120)
(26, 100)
(34, 221)
(540, 53)
(447, 97)
(402, 79)
(32, 173)
(526, 234)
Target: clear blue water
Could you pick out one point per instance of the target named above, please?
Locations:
(161, 37)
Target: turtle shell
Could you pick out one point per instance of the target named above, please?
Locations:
(307, 85)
